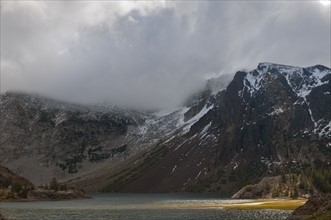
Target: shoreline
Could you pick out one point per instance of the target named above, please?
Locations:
(224, 203)
(275, 204)
(279, 204)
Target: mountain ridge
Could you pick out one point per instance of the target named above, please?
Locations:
(275, 116)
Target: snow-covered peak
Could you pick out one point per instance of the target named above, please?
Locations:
(265, 67)
(301, 80)
(318, 71)
(254, 79)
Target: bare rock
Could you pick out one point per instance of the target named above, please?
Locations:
(317, 207)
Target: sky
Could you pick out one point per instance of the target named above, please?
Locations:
(151, 54)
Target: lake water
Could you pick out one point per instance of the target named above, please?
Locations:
(137, 206)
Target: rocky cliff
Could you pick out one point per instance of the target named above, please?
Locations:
(317, 207)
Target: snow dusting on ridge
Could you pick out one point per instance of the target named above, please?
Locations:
(300, 80)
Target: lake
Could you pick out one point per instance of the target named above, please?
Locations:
(138, 206)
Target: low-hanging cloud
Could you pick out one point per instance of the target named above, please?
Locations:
(151, 54)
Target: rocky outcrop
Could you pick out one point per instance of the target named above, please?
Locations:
(14, 187)
(8, 177)
(284, 186)
(262, 189)
(317, 207)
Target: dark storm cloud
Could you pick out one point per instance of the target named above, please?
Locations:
(151, 54)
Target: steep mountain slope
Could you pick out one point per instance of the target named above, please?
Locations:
(52, 138)
(274, 117)
(57, 139)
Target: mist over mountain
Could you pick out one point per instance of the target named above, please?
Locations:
(150, 54)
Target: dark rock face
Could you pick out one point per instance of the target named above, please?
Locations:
(317, 207)
(97, 154)
(274, 117)
(269, 122)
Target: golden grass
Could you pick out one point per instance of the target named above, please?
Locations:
(283, 204)
(280, 204)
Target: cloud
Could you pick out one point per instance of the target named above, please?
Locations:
(151, 54)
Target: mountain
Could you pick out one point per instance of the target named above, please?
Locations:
(63, 140)
(274, 117)
(271, 119)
